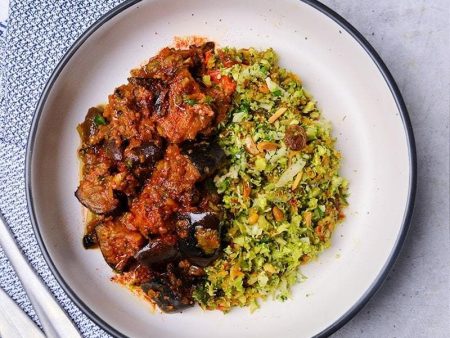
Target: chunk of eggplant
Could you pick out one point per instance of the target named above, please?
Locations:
(199, 237)
(90, 240)
(157, 251)
(149, 83)
(148, 153)
(88, 127)
(113, 150)
(206, 156)
(208, 46)
(169, 292)
(143, 158)
(159, 91)
(167, 299)
(96, 198)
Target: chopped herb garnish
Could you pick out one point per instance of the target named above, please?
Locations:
(263, 69)
(244, 107)
(189, 101)
(277, 92)
(318, 213)
(99, 120)
(129, 164)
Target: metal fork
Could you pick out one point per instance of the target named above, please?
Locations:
(54, 320)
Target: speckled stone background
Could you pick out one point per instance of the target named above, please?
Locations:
(412, 37)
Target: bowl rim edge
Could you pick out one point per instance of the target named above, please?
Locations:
(395, 91)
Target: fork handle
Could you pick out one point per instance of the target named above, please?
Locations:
(54, 320)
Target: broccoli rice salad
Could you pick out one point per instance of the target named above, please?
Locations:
(282, 191)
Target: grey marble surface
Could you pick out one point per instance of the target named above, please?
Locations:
(412, 37)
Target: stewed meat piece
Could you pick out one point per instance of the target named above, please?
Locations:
(118, 243)
(158, 251)
(169, 188)
(189, 110)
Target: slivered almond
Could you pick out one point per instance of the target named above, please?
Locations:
(277, 214)
(308, 218)
(292, 154)
(297, 180)
(235, 272)
(269, 268)
(267, 146)
(253, 217)
(246, 189)
(251, 146)
(277, 114)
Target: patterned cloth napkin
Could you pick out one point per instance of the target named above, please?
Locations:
(3, 16)
(38, 34)
(4, 5)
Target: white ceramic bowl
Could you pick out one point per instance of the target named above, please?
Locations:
(354, 90)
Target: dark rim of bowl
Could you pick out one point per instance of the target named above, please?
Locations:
(395, 93)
